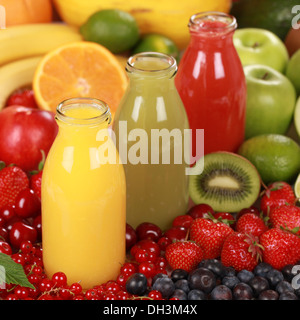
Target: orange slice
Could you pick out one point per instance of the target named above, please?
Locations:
(79, 69)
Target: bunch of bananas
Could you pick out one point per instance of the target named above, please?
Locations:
(166, 17)
(23, 46)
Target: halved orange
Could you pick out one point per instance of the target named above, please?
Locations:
(79, 69)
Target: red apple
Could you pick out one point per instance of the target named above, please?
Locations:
(24, 133)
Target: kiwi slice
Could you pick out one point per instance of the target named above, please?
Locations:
(228, 182)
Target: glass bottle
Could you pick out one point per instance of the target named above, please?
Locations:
(149, 126)
(83, 197)
(211, 83)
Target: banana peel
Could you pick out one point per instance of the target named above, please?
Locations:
(15, 75)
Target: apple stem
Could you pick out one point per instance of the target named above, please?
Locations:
(255, 45)
(265, 76)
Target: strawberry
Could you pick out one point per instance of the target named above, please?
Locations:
(184, 255)
(210, 233)
(286, 216)
(228, 217)
(22, 97)
(241, 251)
(36, 183)
(277, 194)
(12, 180)
(251, 223)
(36, 177)
(281, 247)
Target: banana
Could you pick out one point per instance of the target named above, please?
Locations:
(166, 17)
(22, 41)
(15, 75)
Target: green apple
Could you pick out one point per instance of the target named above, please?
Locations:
(260, 46)
(271, 99)
(293, 70)
(297, 117)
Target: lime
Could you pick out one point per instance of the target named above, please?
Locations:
(297, 187)
(297, 116)
(275, 156)
(157, 43)
(293, 70)
(115, 29)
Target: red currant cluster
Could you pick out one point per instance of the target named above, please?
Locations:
(145, 250)
(21, 221)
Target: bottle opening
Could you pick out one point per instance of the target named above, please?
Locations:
(212, 22)
(83, 111)
(151, 63)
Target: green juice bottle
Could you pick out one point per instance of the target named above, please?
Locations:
(151, 131)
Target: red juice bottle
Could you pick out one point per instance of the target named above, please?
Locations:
(211, 83)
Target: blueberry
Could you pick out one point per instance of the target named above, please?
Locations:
(180, 294)
(221, 292)
(268, 295)
(258, 284)
(182, 284)
(159, 275)
(288, 295)
(245, 275)
(215, 266)
(137, 284)
(230, 281)
(242, 291)
(202, 279)
(165, 286)
(287, 272)
(274, 277)
(283, 286)
(262, 269)
(196, 294)
(229, 271)
(178, 274)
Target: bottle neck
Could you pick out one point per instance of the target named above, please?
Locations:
(151, 69)
(212, 29)
(82, 118)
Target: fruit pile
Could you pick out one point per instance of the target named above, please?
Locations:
(204, 254)
(224, 247)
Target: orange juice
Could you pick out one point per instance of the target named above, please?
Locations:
(83, 198)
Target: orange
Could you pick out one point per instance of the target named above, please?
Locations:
(79, 69)
(27, 11)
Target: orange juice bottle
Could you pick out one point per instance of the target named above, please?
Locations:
(83, 197)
